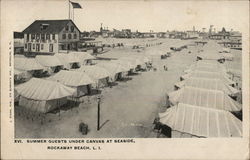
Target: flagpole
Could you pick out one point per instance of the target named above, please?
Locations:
(69, 9)
(73, 15)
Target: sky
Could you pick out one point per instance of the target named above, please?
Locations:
(141, 15)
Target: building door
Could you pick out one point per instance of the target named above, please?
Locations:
(68, 47)
(37, 47)
(29, 47)
(51, 47)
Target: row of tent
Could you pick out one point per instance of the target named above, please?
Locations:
(202, 104)
(213, 51)
(43, 95)
(25, 67)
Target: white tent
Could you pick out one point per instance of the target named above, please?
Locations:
(210, 56)
(52, 63)
(136, 62)
(205, 98)
(83, 57)
(27, 64)
(125, 63)
(41, 95)
(206, 83)
(195, 121)
(78, 80)
(68, 60)
(211, 75)
(98, 74)
(116, 71)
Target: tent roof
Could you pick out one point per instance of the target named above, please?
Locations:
(40, 89)
(202, 122)
(27, 64)
(82, 56)
(205, 98)
(94, 71)
(48, 60)
(72, 78)
(67, 58)
(210, 56)
(112, 68)
(210, 75)
(206, 83)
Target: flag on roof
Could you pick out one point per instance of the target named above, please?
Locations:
(75, 5)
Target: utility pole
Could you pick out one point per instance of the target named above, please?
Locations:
(98, 112)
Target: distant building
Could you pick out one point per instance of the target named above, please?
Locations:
(235, 36)
(161, 35)
(51, 36)
(222, 35)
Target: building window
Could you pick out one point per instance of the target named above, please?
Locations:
(25, 46)
(42, 36)
(32, 36)
(41, 46)
(75, 36)
(37, 47)
(48, 36)
(28, 37)
(72, 28)
(69, 36)
(51, 47)
(53, 36)
(64, 36)
(34, 46)
(37, 36)
(67, 28)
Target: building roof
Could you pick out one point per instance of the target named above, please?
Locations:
(201, 122)
(54, 26)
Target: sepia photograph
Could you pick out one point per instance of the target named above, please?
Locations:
(73, 79)
(87, 75)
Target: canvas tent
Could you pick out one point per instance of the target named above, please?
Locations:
(98, 74)
(206, 83)
(116, 71)
(211, 75)
(39, 95)
(52, 63)
(136, 62)
(68, 60)
(26, 64)
(80, 81)
(205, 98)
(192, 121)
(125, 63)
(210, 56)
(83, 57)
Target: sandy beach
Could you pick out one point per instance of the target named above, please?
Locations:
(128, 109)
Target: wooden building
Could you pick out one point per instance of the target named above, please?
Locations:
(51, 36)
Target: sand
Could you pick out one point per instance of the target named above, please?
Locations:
(128, 109)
